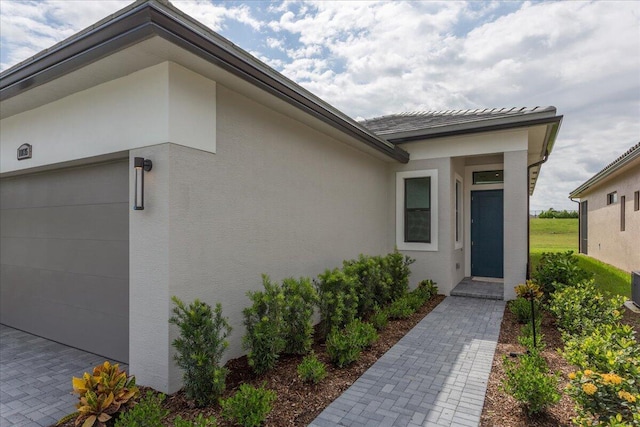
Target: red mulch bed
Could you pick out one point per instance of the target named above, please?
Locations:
(298, 403)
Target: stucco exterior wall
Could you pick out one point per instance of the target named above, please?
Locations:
(162, 103)
(277, 198)
(457, 157)
(431, 264)
(516, 218)
(606, 241)
(459, 250)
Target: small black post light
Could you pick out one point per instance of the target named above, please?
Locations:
(140, 166)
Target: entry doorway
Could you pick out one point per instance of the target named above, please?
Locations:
(487, 233)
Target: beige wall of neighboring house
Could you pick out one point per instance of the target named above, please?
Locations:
(277, 198)
(606, 241)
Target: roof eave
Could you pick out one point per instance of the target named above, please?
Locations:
(145, 20)
(546, 118)
(603, 174)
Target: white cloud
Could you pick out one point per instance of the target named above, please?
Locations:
(375, 58)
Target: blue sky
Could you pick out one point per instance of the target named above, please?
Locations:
(374, 58)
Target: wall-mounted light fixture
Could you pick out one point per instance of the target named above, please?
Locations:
(140, 166)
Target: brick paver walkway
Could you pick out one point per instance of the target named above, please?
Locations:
(435, 376)
(35, 378)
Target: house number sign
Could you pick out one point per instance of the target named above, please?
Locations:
(24, 151)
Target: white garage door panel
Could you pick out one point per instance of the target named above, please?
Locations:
(64, 253)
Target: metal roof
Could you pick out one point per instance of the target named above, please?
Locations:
(405, 127)
(630, 155)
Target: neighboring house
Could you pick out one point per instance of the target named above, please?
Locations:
(610, 212)
(251, 174)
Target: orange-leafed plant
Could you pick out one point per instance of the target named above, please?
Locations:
(103, 393)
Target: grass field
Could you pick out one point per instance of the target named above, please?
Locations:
(559, 235)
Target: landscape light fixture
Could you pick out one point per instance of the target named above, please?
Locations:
(140, 166)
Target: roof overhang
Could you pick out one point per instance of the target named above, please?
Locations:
(151, 19)
(628, 159)
(542, 127)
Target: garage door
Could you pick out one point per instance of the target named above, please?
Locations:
(64, 254)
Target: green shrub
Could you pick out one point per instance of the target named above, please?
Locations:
(312, 370)
(558, 269)
(379, 319)
(364, 333)
(521, 308)
(297, 324)
(603, 397)
(397, 268)
(200, 421)
(373, 287)
(148, 412)
(580, 308)
(609, 348)
(344, 346)
(427, 288)
(338, 300)
(526, 335)
(199, 348)
(264, 323)
(529, 382)
(421, 294)
(401, 308)
(249, 407)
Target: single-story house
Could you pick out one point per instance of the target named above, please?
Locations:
(610, 212)
(248, 173)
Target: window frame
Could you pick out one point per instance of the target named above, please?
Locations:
(401, 243)
(459, 212)
(636, 201)
(623, 200)
(612, 198)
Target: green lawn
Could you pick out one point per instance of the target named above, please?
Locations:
(553, 235)
(559, 235)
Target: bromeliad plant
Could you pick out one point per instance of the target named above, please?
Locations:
(103, 393)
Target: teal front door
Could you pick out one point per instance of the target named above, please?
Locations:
(487, 233)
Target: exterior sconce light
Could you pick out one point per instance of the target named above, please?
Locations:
(140, 166)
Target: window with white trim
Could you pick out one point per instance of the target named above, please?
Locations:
(417, 210)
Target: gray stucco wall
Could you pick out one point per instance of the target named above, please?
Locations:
(278, 198)
(64, 255)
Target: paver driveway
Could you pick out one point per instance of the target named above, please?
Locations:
(436, 375)
(35, 378)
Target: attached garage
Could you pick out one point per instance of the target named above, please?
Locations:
(64, 253)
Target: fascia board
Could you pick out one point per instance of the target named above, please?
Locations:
(148, 19)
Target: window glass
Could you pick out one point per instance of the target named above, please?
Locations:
(418, 226)
(612, 198)
(418, 193)
(458, 202)
(488, 177)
